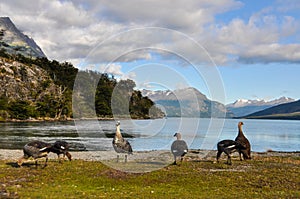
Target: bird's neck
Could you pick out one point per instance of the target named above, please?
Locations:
(241, 131)
(118, 132)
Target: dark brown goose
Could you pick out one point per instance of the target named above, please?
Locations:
(241, 138)
(228, 147)
(61, 147)
(35, 149)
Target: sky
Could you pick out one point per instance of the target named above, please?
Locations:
(227, 49)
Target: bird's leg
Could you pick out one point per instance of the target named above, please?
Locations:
(218, 155)
(229, 160)
(228, 156)
(46, 162)
(20, 161)
(181, 159)
(36, 163)
(174, 163)
(117, 158)
(59, 159)
(63, 157)
(125, 158)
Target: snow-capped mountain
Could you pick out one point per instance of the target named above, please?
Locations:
(179, 94)
(13, 41)
(187, 102)
(244, 107)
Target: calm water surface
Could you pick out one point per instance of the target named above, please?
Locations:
(199, 133)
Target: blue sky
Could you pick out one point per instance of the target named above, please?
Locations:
(227, 49)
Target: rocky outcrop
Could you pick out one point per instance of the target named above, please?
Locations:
(21, 82)
(30, 84)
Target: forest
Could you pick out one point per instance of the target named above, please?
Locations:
(95, 94)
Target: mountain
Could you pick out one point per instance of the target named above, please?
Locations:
(13, 41)
(283, 111)
(244, 107)
(187, 102)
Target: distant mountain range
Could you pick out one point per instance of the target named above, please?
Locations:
(187, 102)
(13, 41)
(190, 102)
(283, 111)
(243, 107)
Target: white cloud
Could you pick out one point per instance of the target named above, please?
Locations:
(145, 85)
(76, 30)
(271, 53)
(288, 5)
(175, 14)
(130, 75)
(260, 39)
(113, 68)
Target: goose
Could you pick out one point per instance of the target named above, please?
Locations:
(120, 144)
(61, 147)
(179, 148)
(241, 138)
(228, 147)
(35, 149)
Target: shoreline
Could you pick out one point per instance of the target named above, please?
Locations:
(37, 120)
(192, 155)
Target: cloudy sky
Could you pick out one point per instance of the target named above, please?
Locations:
(227, 49)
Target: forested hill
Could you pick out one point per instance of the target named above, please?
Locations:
(42, 89)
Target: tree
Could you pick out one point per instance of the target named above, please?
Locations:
(21, 109)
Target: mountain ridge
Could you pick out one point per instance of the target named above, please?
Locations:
(283, 111)
(187, 102)
(13, 41)
(247, 102)
(244, 107)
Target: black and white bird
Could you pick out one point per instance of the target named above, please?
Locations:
(228, 147)
(241, 138)
(35, 149)
(179, 148)
(120, 144)
(61, 147)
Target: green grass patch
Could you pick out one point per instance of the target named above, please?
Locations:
(262, 177)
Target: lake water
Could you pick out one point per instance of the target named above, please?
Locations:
(199, 133)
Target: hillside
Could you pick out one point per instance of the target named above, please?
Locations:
(27, 91)
(188, 102)
(284, 111)
(43, 89)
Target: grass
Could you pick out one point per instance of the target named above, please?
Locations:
(262, 177)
